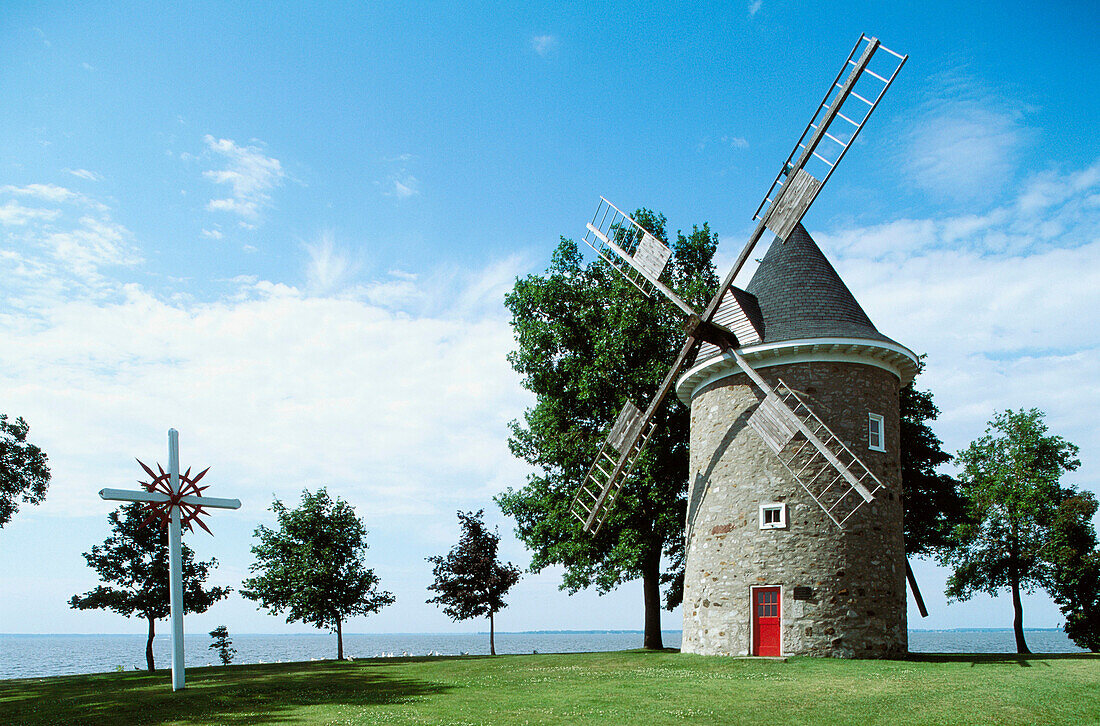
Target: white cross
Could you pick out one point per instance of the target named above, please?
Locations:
(175, 564)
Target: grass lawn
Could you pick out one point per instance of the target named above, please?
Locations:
(629, 687)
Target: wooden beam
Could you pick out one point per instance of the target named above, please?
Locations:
(916, 590)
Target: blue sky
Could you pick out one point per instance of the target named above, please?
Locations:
(287, 232)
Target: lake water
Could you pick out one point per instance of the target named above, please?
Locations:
(29, 656)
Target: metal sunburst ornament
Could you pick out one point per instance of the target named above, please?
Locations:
(189, 511)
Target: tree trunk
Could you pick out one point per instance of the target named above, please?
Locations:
(339, 639)
(492, 643)
(1018, 616)
(651, 586)
(149, 647)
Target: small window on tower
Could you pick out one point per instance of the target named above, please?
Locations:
(876, 432)
(773, 516)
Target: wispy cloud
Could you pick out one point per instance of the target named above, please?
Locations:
(12, 213)
(212, 233)
(329, 267)
(85, 174)
(250, 174)
(728, 141)
(964, 142)
(544, 44)
(52, 194)
(754, 7)
(405, 187)
(61, 243)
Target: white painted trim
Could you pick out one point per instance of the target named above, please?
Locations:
(896, 359)
(881, 431)
(782, 523)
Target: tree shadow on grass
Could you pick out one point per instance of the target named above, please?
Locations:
(1024, 660)
(270, 693)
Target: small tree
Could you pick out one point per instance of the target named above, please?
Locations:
(24, 474)
(471, 582)
(222, 644)
(135, 557)
(1010, 479)
(313, 566)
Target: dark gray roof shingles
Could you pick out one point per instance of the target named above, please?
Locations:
(801, 296)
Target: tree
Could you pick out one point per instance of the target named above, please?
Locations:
(471, 582)
(1010, 479)
(933, 503)
(24, 473)
(135, 557)
(222, 644)
(586, 342)
(313, 566)
(1075, 562)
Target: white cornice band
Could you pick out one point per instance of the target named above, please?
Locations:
(892, 357)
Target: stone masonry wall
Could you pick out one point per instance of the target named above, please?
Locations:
(857, 574)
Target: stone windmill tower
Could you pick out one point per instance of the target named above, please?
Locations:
(794, 529)
(777, 563)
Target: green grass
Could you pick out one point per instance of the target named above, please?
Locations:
(631, 687)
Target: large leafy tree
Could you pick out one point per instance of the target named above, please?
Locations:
(933, 502)
(135, 559)
(24, 473)
(587, 341)
(1011, 481)
(313, 566)
(470, 580)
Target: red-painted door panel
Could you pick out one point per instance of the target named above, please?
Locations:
(765, 621)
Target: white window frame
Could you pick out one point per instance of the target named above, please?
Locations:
(872, 419)
(771, 506)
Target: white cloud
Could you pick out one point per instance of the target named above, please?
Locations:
(754, 7)
(405, 187)
(85, 174)
(329, 268)
(735, 142)
(543, 44)
(44, 192)
(13, 213)
(280, 388)
(964, 142)
(250, 174)
(61, 245)
(211, 233)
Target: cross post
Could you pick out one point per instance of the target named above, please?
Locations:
(175, 544)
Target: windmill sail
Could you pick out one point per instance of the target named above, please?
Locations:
(613, 466)
(833, 129)
(835, 478)
(631, 249)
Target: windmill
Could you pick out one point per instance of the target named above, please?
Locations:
(784, 419)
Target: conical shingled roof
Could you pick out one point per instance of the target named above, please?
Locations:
(801, 295)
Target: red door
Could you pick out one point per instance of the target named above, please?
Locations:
(765, 621)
